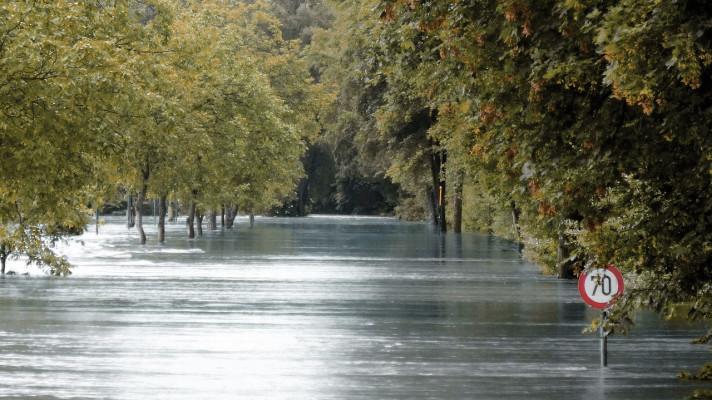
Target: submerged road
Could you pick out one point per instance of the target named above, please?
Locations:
(319, 308)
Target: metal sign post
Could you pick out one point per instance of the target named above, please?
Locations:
(604, 339)
(599, 288)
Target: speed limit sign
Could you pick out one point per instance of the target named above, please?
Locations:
(601, 286)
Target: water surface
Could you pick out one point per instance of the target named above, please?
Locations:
(318, 308)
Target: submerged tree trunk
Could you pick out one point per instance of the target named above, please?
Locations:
(130, 220)
(96, 222)
(139, 204)
(435, 172)
(457, 203)
(515, 224)
(437, 166)
(200, 216)
(172, 211)
(441, 203)
(212, 220)
(231, 213)
(222, 216)
(229, 218)
(139, 217)
(252, 220)
(430, 200)
(302, 197)
(162, 219)
(4, 253)
(443, 195)
(190, 221)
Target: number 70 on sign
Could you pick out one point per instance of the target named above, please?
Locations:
(601, 286)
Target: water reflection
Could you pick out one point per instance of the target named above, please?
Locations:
(318, 308)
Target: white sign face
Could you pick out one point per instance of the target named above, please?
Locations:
(601, 285)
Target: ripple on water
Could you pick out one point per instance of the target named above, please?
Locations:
(317, 308)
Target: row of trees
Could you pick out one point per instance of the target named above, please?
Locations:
(198, 102)
(579, 128)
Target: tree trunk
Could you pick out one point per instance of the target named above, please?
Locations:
(435, 165)
(222, 216)
(442, 193)
(162, 219)
(191, 220)
(212, 220)
(200, 216)
(172, 211)
(3, 258)
(515, 223)
(130, 220)
(252, 220)
(302, 197)
(441, 207)
(139, 215)
(96, 224)
(457, 203)
(230, 218)
(430, 200)
(139, 204)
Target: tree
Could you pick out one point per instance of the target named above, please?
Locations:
(57, 62)
(591, 118)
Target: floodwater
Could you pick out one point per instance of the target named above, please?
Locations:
(318, 308)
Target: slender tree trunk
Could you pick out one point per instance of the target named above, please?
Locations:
(441, 207)
(130, 220)
(172, 211)
(231, 215)
(139, 203)
(4, 253)
(515, 224)
(212, 220)
(199, 225)
(442, 193)
(139, 214)
(162, 219)
(457, 203)
(302, 197)
(222, 216)
(430, 204)
(252, 220)
(191, 220)
(435, 164)
(96, 217)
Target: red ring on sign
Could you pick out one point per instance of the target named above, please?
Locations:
(582, 288)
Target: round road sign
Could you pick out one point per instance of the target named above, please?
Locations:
(600, 287)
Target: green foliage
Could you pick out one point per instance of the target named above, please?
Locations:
(587, 122)
(203, 101)
(55, 71)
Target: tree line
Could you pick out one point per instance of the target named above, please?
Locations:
(201, 103)
(580, 129)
